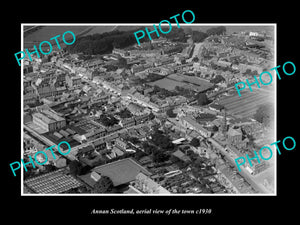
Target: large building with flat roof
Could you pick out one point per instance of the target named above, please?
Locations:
(122, 171)
(48, 120)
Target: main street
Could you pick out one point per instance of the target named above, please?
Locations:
(258, 187)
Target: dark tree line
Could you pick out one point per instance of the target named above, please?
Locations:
(199, 36)
(265, 114)
(216, 31)
(102, 43)
(176, 34)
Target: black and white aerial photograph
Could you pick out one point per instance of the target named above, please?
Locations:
(133, 111)
(144, 109)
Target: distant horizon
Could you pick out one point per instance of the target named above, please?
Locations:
(54, 29)
(50, 30)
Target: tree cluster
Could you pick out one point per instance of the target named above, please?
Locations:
(76, 168)
(205, 117)
(176, 34)
(122, 63)
(110, 67)
(170, 113)
(125, 113)
(148, 148)
(198, 36)
(158, 147)
(132, 139)
(217, 79)
(216, 30)
(195, 59)
(202, 99)
(161, 92)
(206, 53)
(188, 30)
(103, 185)
(108, 120)
(139, 154)
(161, 140)
(265, 114)
(218, 67)
(250, 72)
(195, 142)
(102, 43)
(153, 77)
(158, 154)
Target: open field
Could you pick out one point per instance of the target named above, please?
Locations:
(187, 82)
(47, 32)
(190, 79)
(247, 104)
(234, 28)
(167, 84)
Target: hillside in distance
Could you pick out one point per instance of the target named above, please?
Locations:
(93, 44)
